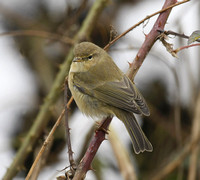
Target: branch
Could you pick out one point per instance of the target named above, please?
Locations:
(94, 145)
(44, 115)
(38, 33)
(48, 139)
(150, 40)
(185, 47)
(45, 144)
(142, 21)
(176, 34)
(72, 162)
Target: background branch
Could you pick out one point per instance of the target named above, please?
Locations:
(142, 21)
(41, 34)
(185, 47)
(150, 40)
(177, 34)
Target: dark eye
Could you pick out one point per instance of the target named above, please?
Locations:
(90, 57)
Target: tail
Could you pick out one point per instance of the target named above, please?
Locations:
(139, 140)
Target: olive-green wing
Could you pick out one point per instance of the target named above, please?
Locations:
(122, 94)
(119, 93)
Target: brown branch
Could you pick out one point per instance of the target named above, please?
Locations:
(39, 33)
(176, 34)
(150, 40)
(70, 101)
(99, 136)
(185, 47)
(142, 21)
(72, 162)
(48, 139)
(43, 158)
(94, 145)
(45, 144)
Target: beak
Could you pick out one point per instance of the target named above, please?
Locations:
(77, 59)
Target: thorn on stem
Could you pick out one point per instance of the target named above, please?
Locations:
(130, 64)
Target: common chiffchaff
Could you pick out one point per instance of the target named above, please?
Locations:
(101, 89)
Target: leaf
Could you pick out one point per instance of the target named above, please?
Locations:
(194, 36)
(168, 46)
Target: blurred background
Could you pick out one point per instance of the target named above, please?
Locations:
(30, 59)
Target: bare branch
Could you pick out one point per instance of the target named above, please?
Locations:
(176, 34)
(42, 34)
(45, 144)
(94, 145)
(185, 47)
(70, 152)
(150, 39)
(142, 21)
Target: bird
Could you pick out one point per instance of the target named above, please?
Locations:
(100, 89)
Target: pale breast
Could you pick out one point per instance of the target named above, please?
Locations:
(90, 106)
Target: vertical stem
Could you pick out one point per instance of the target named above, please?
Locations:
(70, 152)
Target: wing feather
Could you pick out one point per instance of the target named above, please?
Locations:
(121, 93)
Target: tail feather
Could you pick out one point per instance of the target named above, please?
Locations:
(139, 140)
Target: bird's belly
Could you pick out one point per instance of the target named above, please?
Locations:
(90, 106)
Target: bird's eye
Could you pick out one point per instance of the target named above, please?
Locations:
(90, 57)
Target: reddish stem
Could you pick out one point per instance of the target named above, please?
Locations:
(96, 141)
(150, 40)
(185, 47)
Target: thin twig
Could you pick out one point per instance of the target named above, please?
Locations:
(42, 160)
(185, 47)
(150, 39)
(176, 34)
(46, 142)
(39, 33)
(72, 162)
(69, 102)
(142, 21)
